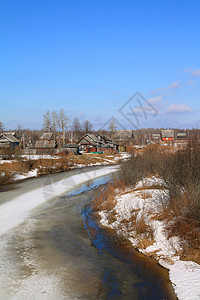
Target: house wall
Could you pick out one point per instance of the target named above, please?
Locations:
(167, 139)
(45, 151)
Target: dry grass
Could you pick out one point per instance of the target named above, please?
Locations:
(180, 170)
(46, 166)
(189, 233)
(144, 243)
(106, 198)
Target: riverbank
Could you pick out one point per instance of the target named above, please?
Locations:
(34, 165)
(136, 215)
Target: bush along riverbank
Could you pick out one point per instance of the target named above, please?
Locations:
(155, 204)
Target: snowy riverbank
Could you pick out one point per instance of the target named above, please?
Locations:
(17, 170)
(142, 206)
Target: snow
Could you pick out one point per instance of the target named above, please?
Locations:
(16, 211)
(34, 173)
(5, 161)
(184, 275)
(30, 174)
(37, 156)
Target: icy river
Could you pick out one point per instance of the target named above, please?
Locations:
(52, 247)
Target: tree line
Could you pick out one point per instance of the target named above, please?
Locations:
(58, 121)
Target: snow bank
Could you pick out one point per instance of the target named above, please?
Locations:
(184, 275)
(16, 211)
(30, 174)
(5, 161)
(39, 156)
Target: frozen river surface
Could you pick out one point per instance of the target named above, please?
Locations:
(53, 248)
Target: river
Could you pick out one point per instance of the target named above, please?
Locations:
(60, 252)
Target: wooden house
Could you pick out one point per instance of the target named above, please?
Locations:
(92, 143)
(46, 144)
(89, 141)
(71, 148)
(181, 136)
(156, 137)
(9, 140)
(167, 135)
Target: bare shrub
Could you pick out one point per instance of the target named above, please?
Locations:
(181, 173)
(140, 165)
(10, 153)
(105, 199)
(6, 174)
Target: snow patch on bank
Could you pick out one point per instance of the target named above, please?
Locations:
(184, 275)
(30, 174)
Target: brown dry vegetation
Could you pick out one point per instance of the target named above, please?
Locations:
(106, 201)
(19, 165)
(181, 172)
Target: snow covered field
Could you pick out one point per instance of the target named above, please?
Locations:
(144, 204)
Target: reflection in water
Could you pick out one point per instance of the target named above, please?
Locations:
(64, 254)
(137, 276)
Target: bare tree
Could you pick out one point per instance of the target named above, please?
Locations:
(54, 120)
(2, 127)
(87, 126)
(76, 128)
(47, 122)
(112, 127)
(20, 131)
(62, 121)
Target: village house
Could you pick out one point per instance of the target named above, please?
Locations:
(89, 143)
(156, 137)
(167, 135)
(181, 136)
(70, 149)
(46, 144)
(92, 143)
(9, 139)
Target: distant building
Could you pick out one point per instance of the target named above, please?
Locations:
(181, 136)
(71, 148)
(167, 135)
(90, 142)
(46, 144)
(156, 137)
(9, 139)
(46, 136)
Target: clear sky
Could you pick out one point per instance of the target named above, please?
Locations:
(89, 57)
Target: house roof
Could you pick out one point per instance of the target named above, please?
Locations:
(45, 144)
(181, 134)
(9, 137)
(70, 146)
(94, 141)
(92, 136)
(10, 133)
(46, 136)
(91, 139)
(167, 133)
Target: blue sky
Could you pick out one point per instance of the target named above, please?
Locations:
(90, 57)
